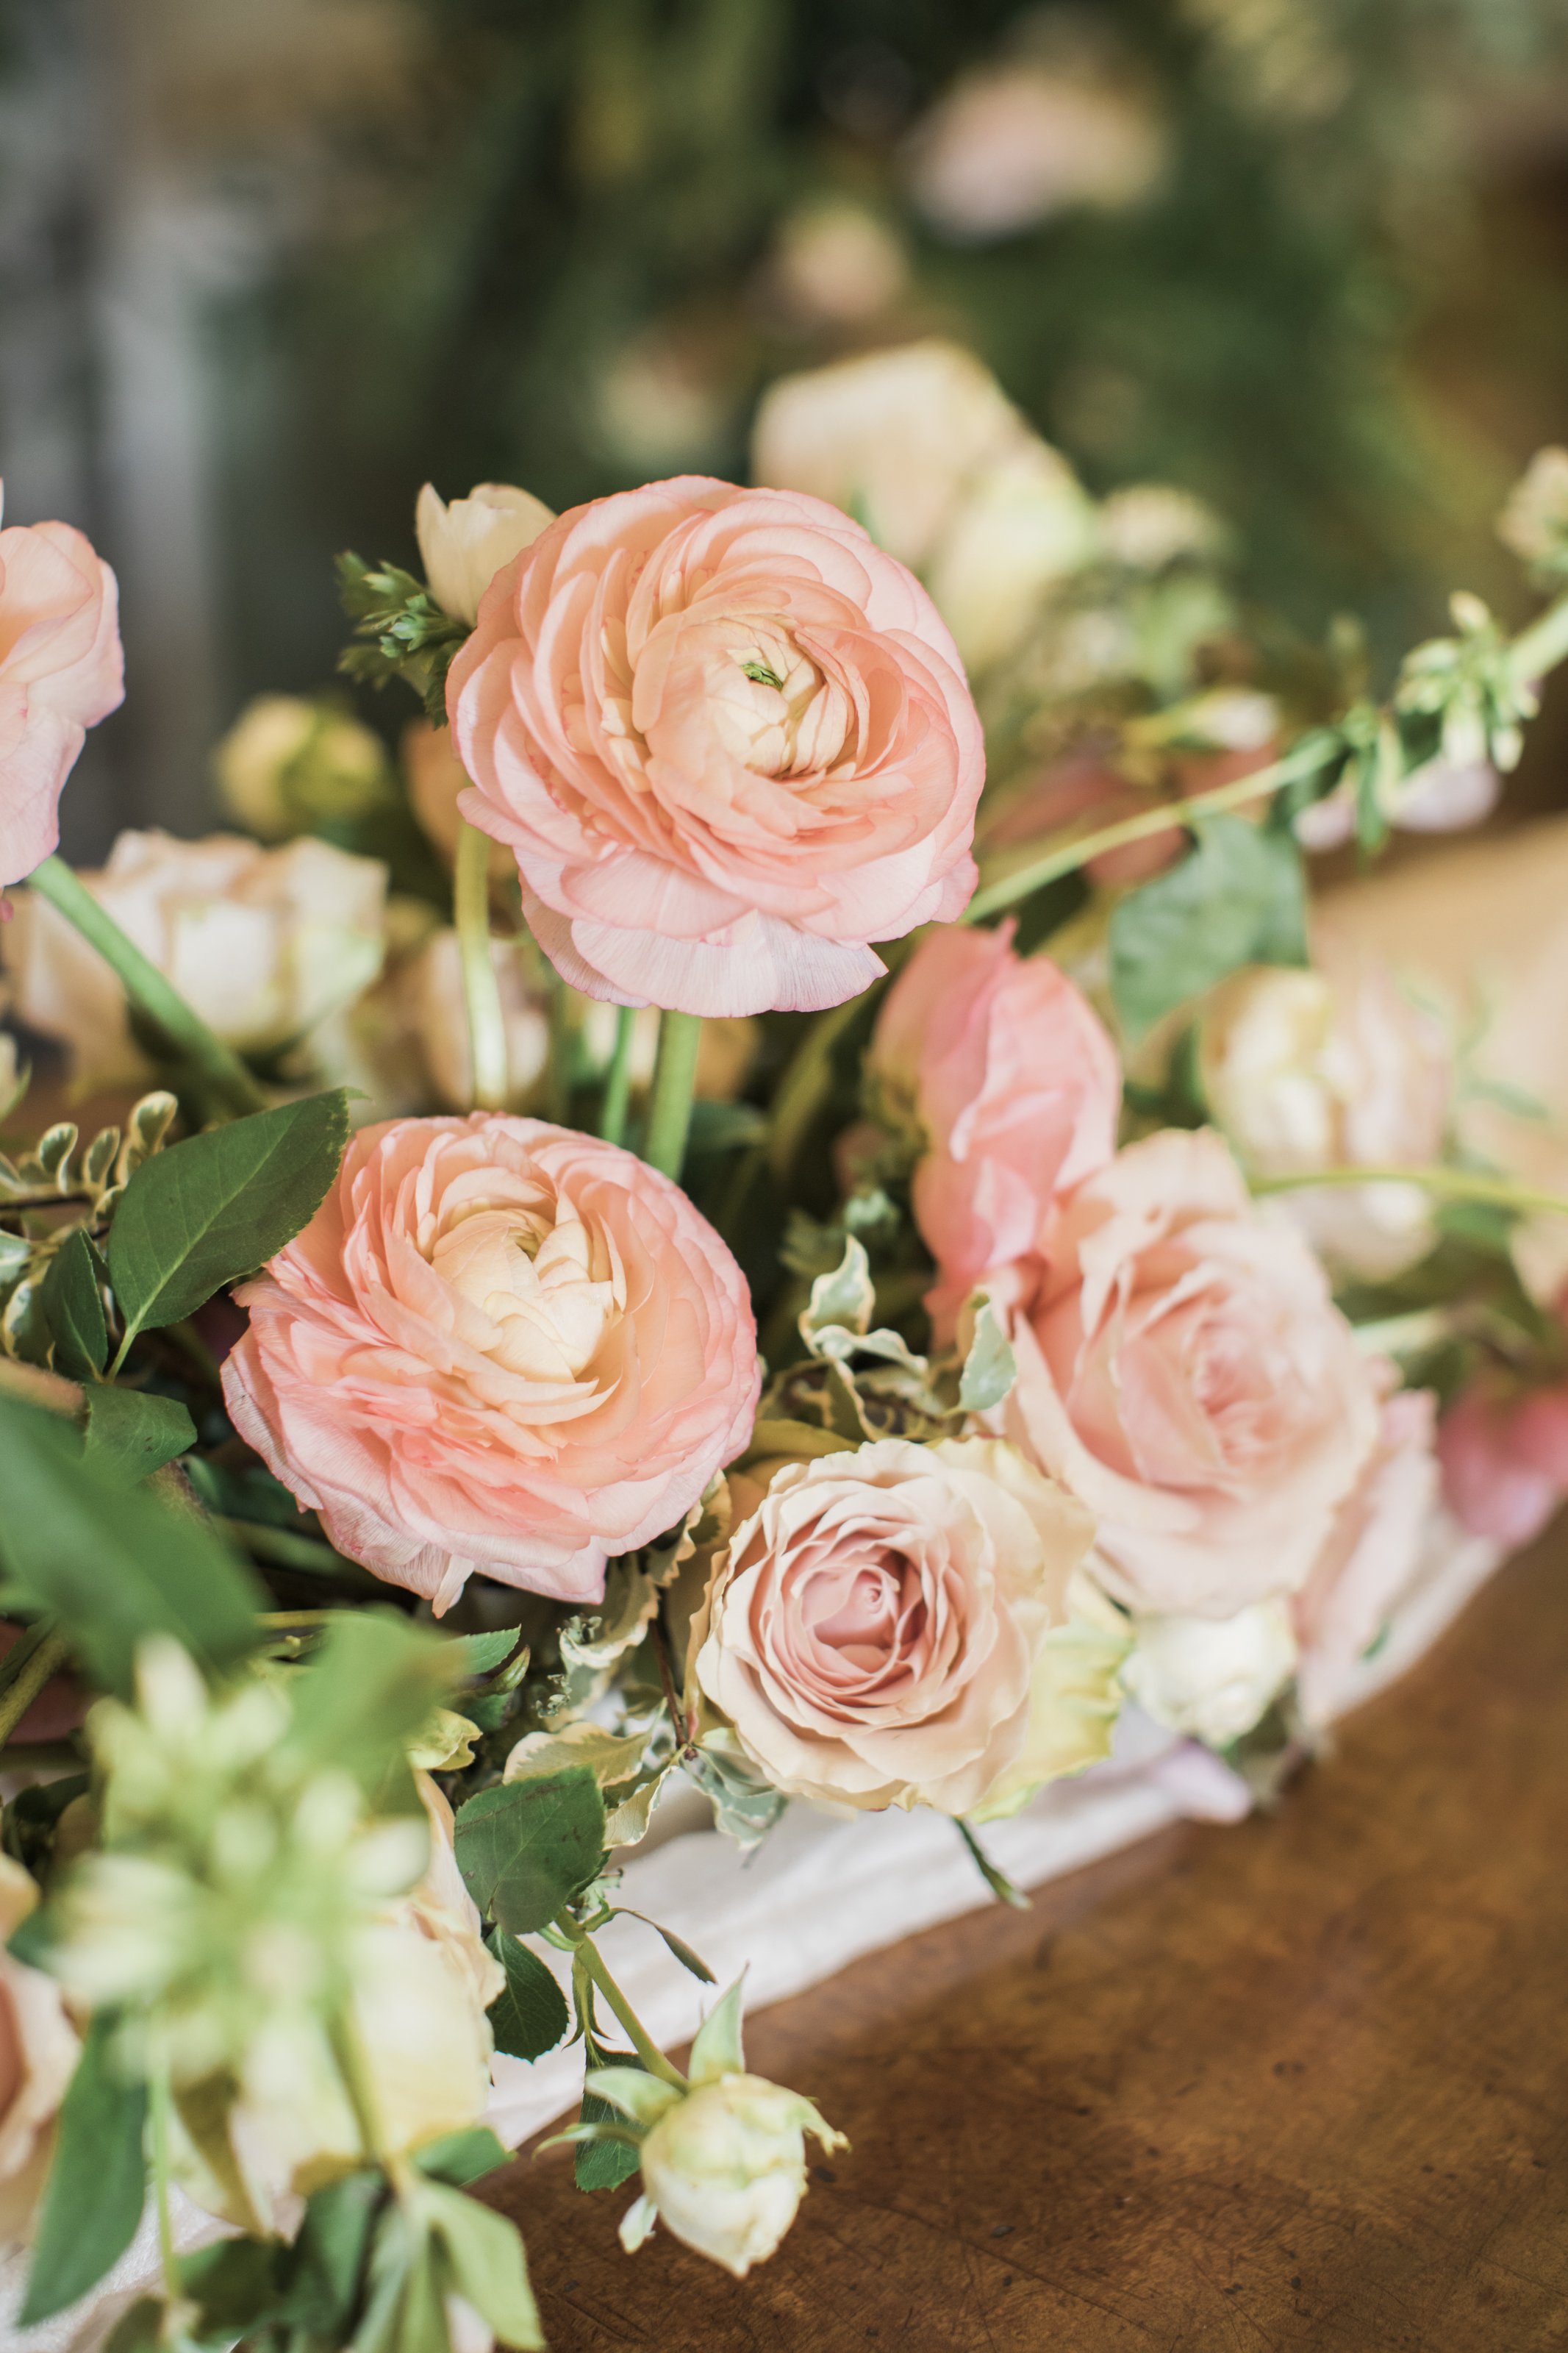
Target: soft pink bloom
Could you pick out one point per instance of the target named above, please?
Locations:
(873, 1629)
(1505, 1461)
(61, 671)
(1370, 1556)
(498, 1346)
(1015, 1084)
(1184, 1371)
(730, 742)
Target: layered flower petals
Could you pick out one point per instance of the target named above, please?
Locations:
(61, 671)
(730, 743)
(498, 1346)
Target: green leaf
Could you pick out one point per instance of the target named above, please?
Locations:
(715, 2047)
(1237, 899)
(997, 1881)
(459, 2158)
(529, 2016)
(990, 1368)
(215, 1208)
(484, 2252)
(130, 1433)
(746, 1807)
(367, 1690)
(632, 2091)
(526, 1848)
(112, 1566)
(480, 1654)
(330, 2251)
(234, 2284)
(603, 2164)
(72, 1297)
(847, 1297)
(138, 2330)
(96, 2185)
(677, 1945)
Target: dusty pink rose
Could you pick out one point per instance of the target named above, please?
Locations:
(61, 671)
(1370, 1556)
(498, 1346)
(1010, 1076)
(872, 1630)
(729, 739)
(1505, 1461)
(1184, 1371)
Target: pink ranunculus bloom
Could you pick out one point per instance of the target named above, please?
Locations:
(873, 1629)
(1370, 1556)
(61, 671)
(1184, 1371)
(498, 1346)
(1505, 1461)
(730, 741)
(1013, 1080)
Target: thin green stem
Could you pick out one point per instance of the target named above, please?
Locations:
(481, 990)
(674, 1078)
(1455, 1184)
(587, 1958)
(1021, 880)
(1542, 645)
(284, 1548)
(47, 1656)
(618, 1077)
(159, 2103)
(217, 1066)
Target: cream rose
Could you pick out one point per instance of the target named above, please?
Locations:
(1184, 1371)
(1212, 1678)
(287, 764)
(266, 943)
(498, 1346)
(38, 2049)
(873, 1629)
(1329, 1069)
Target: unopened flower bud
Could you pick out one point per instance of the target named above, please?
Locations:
(464, 545)
(287, 766)
(726, 2166)
(1212, 1678)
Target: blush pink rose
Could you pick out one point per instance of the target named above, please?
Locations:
(61, 671)
(1505, 1461)
(1013, 1080)
(1184, 1371)
(730, 742)
(873, 1629)
(498, 1346)
(1372, 1553)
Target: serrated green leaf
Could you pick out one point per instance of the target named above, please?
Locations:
(526, 1848)
(131, 1434)
(112, 1565)
(72, 1300)
(529, 2017)
(1238, 898)
(205, 1212)
(96, 2184)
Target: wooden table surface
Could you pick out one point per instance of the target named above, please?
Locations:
(1303, 2083)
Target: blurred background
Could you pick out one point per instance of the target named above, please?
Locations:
(265, 268)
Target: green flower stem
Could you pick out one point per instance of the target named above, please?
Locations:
(1453, 1184)
(587, 1959)
(159, 2103)
(286, 1548)
(674, 1077)
(803, 1089)
(618, 1079)
(45, 1655)
(1542, 645)
(1006, 889)
(481, 990)
(215, 1064)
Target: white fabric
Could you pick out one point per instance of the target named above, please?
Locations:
(824, 1889)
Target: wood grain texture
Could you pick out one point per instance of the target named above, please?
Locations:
(1301, 2083)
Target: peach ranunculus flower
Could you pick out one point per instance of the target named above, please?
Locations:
(873, 1629)
(1010, 1078)
(729, 739)
(1371, 1555)
(498, 1346)
(38, 2049)
(1184, 1371)
(61, 671)
(267, 943)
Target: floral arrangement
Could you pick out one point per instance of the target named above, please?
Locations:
(787, 1201)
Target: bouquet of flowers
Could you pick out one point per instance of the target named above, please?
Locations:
(770, 1260)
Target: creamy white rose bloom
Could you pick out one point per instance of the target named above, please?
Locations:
(286, 764)
(38, 2049)
(462, 546)
(1009, 145)
(266, 944)
(1332, 1068)
(923, 444)
(723, 2160)
(1212, 1678)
